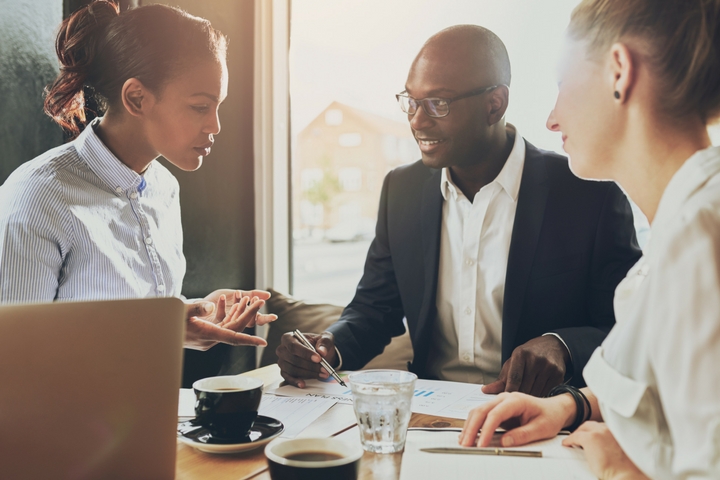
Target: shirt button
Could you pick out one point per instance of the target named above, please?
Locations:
(466, 357)
(118, 189)
(133, 195)
(469, 262)
(148, 241)
(161, 288)
(468, 311)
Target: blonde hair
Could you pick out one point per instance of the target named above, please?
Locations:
(680, 39)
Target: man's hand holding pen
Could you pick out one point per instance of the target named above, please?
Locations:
(298, 362)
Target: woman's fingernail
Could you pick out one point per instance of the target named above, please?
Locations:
(508, 441)
(315, 358)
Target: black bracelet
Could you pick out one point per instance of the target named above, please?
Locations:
(580, 402)
(588, 412)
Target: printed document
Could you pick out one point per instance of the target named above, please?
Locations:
(296, 413)
(431, 397)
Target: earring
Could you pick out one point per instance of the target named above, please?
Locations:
(617, 94)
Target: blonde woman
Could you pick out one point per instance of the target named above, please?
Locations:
(639, 84)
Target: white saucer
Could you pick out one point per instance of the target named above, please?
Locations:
(264, 429)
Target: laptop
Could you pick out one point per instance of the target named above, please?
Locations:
(90, 389)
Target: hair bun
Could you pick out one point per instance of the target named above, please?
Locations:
(77, 44)
(80, 32)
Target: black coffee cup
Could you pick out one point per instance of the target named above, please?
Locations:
(313, 459)
(227, 405)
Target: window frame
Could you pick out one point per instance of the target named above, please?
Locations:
(273, 249)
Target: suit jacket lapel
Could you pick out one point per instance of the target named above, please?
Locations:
(431, 222)
(526, 231)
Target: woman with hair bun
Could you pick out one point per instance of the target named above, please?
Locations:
(639, 84)
(98, 218)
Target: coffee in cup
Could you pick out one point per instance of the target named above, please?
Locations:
(227, 405)
(313, 459)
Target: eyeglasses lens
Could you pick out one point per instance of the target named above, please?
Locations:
(435, 107)
(407, 104)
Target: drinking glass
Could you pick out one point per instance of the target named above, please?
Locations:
(382, 401)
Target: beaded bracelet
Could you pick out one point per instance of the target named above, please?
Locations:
(581, 401)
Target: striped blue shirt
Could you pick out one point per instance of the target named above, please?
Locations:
(78, 224)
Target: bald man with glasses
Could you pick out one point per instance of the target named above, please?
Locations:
(503, 263)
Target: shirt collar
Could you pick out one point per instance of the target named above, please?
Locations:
(103, 163)
(691, 176)
(508, 178)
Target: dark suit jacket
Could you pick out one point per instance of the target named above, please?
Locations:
(572, 242)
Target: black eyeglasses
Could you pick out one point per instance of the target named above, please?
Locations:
(435, 107)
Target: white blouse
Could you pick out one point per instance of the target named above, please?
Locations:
(657, 374)
(78, 224)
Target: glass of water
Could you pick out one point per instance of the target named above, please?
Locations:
(382, 401)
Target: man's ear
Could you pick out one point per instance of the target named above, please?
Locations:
(136, 98)
(498, 104)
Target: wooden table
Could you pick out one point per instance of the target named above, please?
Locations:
(192, 464)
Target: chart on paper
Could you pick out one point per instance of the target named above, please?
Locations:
(432, 397)
(328, 388)
(447, 399)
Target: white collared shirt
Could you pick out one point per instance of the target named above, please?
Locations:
(78, 224)
(657, 374)
(474, 246)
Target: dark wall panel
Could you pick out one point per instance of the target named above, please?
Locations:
(27, 64)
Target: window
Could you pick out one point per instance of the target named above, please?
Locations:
(350, 139)
(333, 117)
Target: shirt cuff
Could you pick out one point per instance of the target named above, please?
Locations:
(339, 358)
(568, 378)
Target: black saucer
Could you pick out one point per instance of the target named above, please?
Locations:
(263, 430)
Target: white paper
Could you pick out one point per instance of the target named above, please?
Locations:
(447, 399)
(431, 397)
(340, 417)
(557, 461)
(327, 389)
(186, 403)
(295, 413)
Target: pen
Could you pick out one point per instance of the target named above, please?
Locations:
(297, 334)
(484, 451)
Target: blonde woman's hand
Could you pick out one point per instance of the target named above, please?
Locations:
(604, 455)
(525, 418)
